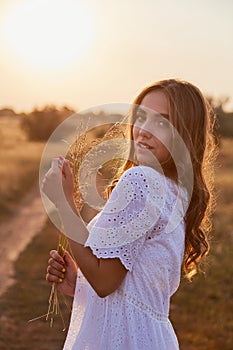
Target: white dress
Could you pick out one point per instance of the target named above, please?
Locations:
(142, 224)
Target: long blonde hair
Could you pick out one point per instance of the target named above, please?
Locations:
(191, 115)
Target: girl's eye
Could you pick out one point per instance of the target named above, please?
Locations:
(163, 123)
(139, 117)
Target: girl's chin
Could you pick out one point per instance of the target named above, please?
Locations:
(146, 157)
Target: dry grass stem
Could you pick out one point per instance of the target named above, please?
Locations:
(91, 143)
(54, 308)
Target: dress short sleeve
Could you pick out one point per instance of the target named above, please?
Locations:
(132, 210)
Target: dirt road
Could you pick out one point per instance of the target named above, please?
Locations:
(16, 233)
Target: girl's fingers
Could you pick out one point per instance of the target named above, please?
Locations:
(57, 257)
(60, 161)
(56, 265)
(68, 259)
(56, 268)
(66, 168)
(54, 272)
(61, 165)
(53, 279)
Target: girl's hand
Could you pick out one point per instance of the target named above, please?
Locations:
(58, 183)
(67, 179)
(63, 271)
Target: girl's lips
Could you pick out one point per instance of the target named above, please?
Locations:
(143, 145)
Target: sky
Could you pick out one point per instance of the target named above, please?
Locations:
(86, 53)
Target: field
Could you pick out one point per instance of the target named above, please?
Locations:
(201, 311)
(19, 160)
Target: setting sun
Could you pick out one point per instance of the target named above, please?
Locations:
(49, 34)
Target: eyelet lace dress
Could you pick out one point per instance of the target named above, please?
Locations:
(142, 225)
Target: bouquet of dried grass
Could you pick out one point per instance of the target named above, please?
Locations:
(89, 144)
(77, 153)
(54, 304)
(54, 308)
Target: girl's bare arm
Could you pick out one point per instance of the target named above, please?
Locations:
(104, 275)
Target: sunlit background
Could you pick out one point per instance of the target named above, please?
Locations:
(57, 56)
(83, 53)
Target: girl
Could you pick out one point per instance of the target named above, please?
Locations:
(155, 220)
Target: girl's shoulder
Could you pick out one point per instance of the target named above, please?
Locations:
(143, 171)
(148, 175)
(154, 177)
(156, 185)
(142, 184)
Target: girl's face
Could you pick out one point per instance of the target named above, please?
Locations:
(152, 131)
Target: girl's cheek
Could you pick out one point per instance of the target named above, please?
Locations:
(165, 136)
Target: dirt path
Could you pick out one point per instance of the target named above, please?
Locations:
(17, 233)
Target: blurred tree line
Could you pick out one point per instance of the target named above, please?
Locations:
(224, 120)
(40, 123)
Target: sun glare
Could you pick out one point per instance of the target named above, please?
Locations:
(49, 34)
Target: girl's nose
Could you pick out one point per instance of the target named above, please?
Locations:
(144, 132)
